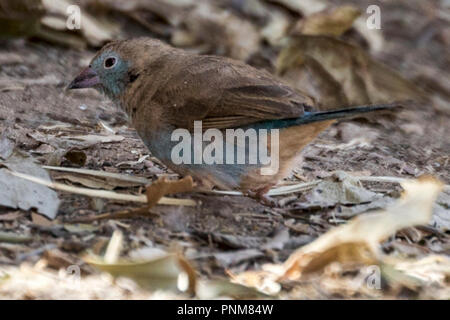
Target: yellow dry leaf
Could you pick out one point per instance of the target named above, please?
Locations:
(151, 268)
(355, 242)
(358, 240)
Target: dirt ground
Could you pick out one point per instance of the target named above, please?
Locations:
(34, 106)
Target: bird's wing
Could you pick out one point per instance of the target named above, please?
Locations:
(224, 94)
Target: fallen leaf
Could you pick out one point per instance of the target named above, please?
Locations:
(227, 33)
(18, 193)
(6, 146)
(58, 259)
(331, 21)
(431, 269)
(340, 188)
(95, 30)
(339, 68)
(153, 270)
(220, 289)
(356, 241)
(441, 213)
(40, 220)
(163, 187)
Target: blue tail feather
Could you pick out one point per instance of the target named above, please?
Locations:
(310, 117)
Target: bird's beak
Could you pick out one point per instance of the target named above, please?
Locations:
(86, 79)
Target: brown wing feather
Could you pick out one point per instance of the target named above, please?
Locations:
(224, 93)
(181, 87)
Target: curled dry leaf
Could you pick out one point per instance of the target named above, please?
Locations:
(317, 8)
(162, 187)
(337, 73)
(152, 269)
(356, 241)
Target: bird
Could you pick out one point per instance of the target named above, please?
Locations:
(163, 89)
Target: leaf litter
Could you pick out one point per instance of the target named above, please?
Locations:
(312, 39)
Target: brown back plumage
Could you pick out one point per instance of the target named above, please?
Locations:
(180, 87)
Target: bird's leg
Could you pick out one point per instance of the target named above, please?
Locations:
(261, 196)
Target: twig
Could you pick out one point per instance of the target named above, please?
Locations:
(103, 174)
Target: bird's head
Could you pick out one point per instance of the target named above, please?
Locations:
(116, 65)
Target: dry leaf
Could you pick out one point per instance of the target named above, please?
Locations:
(331, 22)
(40, 220)
(95, 31)
(154, 270)
(224, 31)
(18, 193)
(340, 188)
(327, 68)
(220, 289)
(356, 241)
(162, 187)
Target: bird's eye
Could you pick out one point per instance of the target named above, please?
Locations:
(110, 62)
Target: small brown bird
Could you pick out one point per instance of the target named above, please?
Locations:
(163, 89)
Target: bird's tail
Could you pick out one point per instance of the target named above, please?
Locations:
(310, 117)
(343, 113)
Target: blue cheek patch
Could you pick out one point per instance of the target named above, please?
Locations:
(114, 80)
